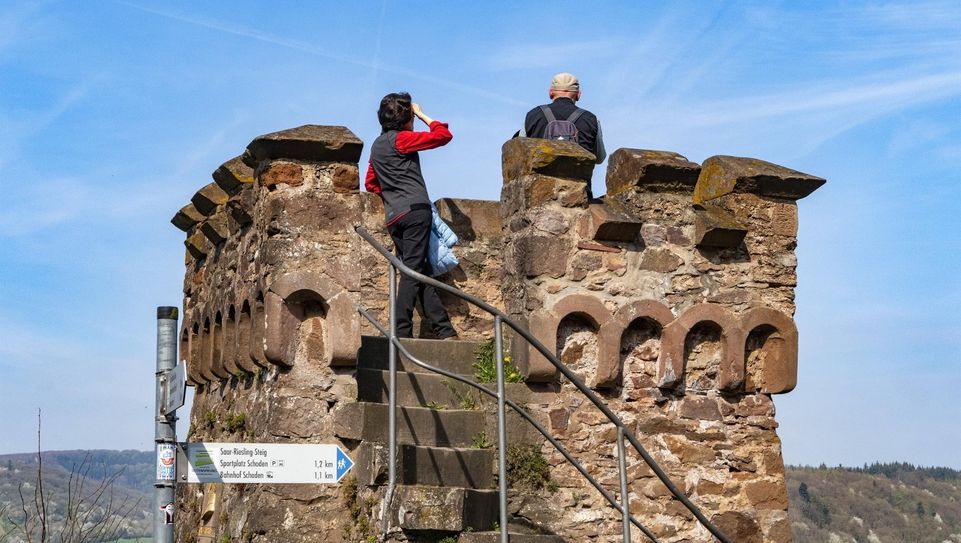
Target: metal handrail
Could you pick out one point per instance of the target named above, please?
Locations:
(395, 263)
(520, 411)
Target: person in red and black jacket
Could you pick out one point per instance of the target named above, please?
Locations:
(394, 173)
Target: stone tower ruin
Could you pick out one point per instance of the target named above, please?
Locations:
(672, 298)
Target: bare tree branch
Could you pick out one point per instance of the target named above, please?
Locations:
(91, 515)
(42, 506)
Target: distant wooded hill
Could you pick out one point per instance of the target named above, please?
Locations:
(877, 503)
(133, 485)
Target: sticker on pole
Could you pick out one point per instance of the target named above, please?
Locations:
(276, 463)
(168, 512)
(166, 461)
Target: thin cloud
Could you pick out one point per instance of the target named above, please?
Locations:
(514, 57)
(925, 16)
(35, 206)
(819, 113)
(308, 48)
(20, 131)
(13, 23)
(895, 93)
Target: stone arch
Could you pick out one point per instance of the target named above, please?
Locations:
(206, 350)
(244, 360)
(228, 354)
(258, 329)
(577, 345)
(703, 352)
(770, 341)
(191, 354)
(545, 325)
(298, 306)
(216, 346)
(640, 325)
(671, 364)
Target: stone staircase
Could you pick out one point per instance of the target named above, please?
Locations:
(446, 480)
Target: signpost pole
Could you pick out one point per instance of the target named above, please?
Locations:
(165, 434)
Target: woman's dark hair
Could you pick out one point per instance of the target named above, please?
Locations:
(394, 111)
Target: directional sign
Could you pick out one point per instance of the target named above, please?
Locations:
(176, 389)
(264, 463)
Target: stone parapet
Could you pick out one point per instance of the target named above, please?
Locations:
(650, 171)
(672, 297)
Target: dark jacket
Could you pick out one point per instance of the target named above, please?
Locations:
(588, 128)
(394, 170)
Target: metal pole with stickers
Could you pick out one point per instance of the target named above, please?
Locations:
(170, 396)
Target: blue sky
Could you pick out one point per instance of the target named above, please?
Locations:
(113, 113)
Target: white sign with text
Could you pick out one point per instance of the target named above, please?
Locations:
(265, 463)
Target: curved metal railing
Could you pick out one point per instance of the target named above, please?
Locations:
(500, 318)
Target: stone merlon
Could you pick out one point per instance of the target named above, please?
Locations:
(722, 175)
(650, 171)
(208, 198)
(567, 160)
(233, 176)
(187, 217)
(310, 142)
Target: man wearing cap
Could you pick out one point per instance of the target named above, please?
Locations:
(564, 91)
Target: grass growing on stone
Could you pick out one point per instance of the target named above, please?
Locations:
(360, 511)
(485, 367)
(465, 399)
(480, 441)
(235, 422)
(210, 418)
(527, 468)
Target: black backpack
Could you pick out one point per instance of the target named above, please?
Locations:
(563, 130)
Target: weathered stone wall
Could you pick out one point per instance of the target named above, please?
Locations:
(270, 332)
(672, 298)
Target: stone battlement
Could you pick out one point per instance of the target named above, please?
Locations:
(673, 296)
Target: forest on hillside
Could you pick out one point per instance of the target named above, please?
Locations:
(876, 503)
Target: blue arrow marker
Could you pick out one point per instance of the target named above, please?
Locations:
(344, 463)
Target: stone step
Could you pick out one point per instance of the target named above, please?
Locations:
(423, 389)
(495, 537)
(436, 466)
(444, 509)
(364, 421)
(453, 356)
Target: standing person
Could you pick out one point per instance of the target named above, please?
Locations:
(562, 119)
(394, 173)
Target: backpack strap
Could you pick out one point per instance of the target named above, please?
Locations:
(574, 116)
(549, 114)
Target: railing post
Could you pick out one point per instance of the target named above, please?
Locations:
(501, 428)
(392, 400)
(625, 498)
